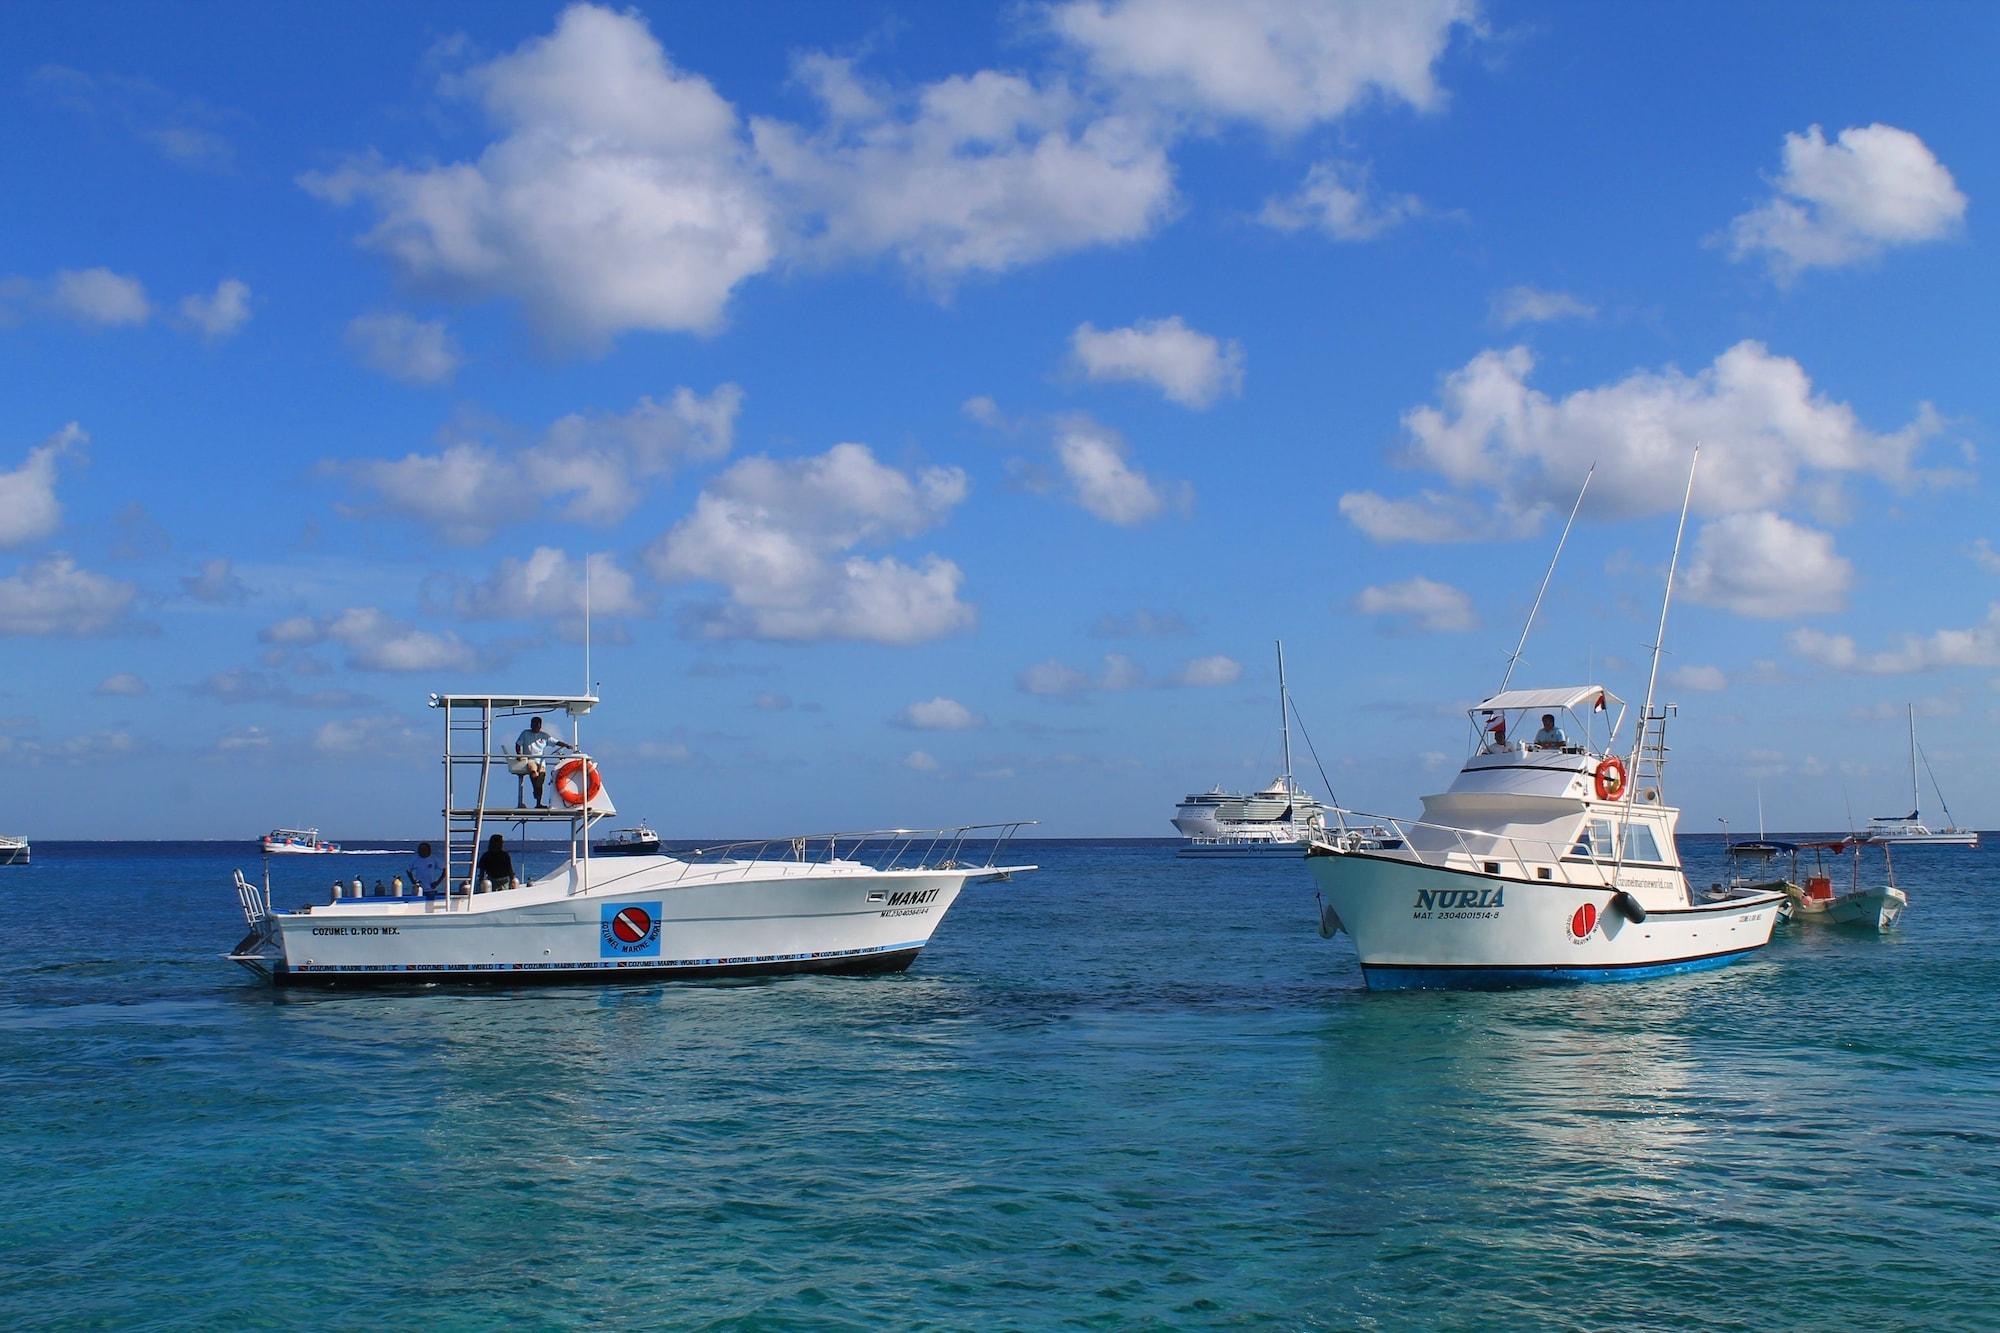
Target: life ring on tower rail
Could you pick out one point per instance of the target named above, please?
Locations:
(577, 782)
(1610, 778)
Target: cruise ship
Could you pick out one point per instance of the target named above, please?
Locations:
(1278, 820)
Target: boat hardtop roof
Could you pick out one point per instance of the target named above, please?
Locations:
(1567, 696)
(576, 705)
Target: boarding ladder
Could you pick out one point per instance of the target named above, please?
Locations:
(1649, 756)
(467, 732)
(250, 951)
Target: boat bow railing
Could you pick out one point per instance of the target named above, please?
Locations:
(952, 847)
(1447, 847)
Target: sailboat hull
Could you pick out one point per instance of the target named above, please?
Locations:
(1418, 926)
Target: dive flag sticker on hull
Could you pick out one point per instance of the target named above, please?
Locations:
(631, 930)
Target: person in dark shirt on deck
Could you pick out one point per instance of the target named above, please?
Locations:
(496, 868)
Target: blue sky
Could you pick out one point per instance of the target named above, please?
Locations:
(954, 404)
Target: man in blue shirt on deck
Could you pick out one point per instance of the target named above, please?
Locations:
(1550, 737)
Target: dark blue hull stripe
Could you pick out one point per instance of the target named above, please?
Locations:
(1413, 976)
(892, 958)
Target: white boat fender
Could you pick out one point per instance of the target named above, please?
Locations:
(1630, 906)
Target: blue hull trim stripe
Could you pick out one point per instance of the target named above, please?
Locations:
(1405, 976)
(893, 957)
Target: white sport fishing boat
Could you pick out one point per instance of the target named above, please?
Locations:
(1276, 822)
(849, 902)
(14, 851)
(640, 841)
(1908, 830)
(1547, 861)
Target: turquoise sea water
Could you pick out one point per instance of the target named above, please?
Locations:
(1126, 1091)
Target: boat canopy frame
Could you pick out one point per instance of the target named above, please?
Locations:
(1576, 702)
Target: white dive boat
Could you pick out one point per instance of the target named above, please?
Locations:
(1908, 830)
(640, 841)
(1549, 861)
(1277, 821)
(296, 842)
(851, 902)
(13, 850)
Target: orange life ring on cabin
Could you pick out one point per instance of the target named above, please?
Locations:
(1610, 778)
(577, 782)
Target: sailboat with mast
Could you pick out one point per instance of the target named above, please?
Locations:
(1908, 830)
(1277, 821)
(1547, 861)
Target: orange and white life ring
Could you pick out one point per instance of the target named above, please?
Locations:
(577, 782)
(1610, 778)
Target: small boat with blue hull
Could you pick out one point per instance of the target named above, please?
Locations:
(844, 903)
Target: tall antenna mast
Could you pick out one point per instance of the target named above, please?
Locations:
(1916, 803)
(1515, 660)
(1284, 717)
(586, 622)
(1660, 639)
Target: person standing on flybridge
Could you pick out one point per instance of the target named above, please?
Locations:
(529, 749)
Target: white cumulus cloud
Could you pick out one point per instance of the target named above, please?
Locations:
(1102, 478)
(591, 467)
(416, 351)
(549, 585)
(215, 582)
(377, 641)
(1534, 305)
(55, 597)
(1511, 453)
(1338, 200)
(918, 761)
(29, 509)
(1190, 367)
(122, 685)
(618, 195)
(1761, 564)
(1419, 604)
(781, 538)
(1286, 64)
(973, 173)
(1698, 678)
(221, 313)
(1974, 646)
(940, 714)
(1873, 187)
(1209, 671)
(99, 296)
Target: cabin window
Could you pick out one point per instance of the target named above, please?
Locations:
(1640, 844)
(1595, 840)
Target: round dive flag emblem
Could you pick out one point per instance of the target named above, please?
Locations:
(630, 930)
(1584, 921)
(631, 925)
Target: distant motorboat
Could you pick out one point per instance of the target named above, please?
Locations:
(296, 842)
(1277, 821)
(1908, 830)
(1814, 896)
(13, 850)
(640, 841)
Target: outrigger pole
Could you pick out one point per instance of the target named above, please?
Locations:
(1660, 639)
(1515, 660)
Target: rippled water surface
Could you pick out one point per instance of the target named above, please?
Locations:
(1124, 1091)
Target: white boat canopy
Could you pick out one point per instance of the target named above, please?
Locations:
(576, 705)
(1571, 697)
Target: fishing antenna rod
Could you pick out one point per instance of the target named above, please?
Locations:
(1666, 600)
(1339, 815)
(1515, 660)
(1284, 720)
(1646, 713)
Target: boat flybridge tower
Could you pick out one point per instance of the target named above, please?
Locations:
(486, 784)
